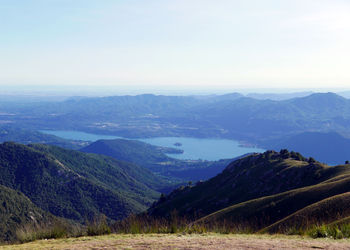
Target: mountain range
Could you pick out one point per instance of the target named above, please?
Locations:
(269, 124)
(226, 116)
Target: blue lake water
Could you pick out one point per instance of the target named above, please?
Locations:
(194, 148)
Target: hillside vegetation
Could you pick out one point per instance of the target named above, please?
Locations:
(16, 209)
(269, 192)
(273, 192)
(335, 209)
(76, 185)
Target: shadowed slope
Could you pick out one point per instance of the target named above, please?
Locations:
(249, 178)
(259, 213)
(72, 184)
(17, 210)
(323, 212)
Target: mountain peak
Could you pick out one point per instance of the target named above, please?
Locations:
(323, 96)
(322, 102)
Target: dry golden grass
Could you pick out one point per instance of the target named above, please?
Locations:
(187, 241)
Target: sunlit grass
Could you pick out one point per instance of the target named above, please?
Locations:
(126, 241)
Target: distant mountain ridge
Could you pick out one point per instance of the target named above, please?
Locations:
(225, 116)
(278, 96)
(25, 136)
(331, 147)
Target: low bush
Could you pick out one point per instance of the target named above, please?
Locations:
(330, 231)
(98, 226)
(32, 232)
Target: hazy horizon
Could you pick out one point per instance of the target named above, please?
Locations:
(175, 46)
(80, 90)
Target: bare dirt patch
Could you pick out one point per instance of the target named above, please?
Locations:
(205, 241)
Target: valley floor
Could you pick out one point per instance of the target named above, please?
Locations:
(179, 241)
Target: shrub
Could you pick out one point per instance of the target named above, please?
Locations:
(32, 232)
(98, 226)
(331, 231)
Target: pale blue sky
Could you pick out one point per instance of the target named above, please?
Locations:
(176, 44)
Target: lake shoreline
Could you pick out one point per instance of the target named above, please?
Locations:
(193, 148)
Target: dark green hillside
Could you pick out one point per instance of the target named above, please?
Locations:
(249, 178)
(123, 176)
(71, 184)
(155, 159)
(17, 210)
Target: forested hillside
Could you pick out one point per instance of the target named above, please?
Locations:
(17, 210)
(76, 185)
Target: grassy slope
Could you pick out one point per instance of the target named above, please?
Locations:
(262, 212)
(342, 221)
(249, 178)
(323, 212)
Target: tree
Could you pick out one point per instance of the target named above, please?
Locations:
(311, 160)
(162, 198)
(284, 151)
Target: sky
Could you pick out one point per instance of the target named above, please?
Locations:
(175, 44)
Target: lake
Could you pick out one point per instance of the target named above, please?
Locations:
(194, 148)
